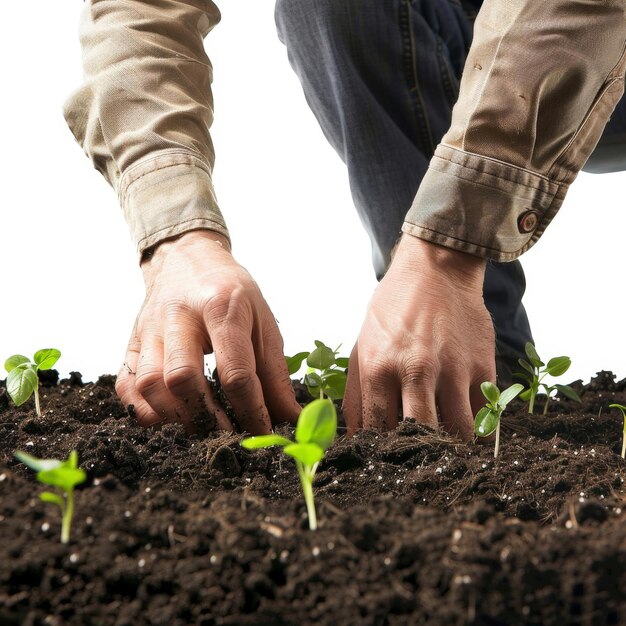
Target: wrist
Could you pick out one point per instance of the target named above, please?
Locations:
(418, 255)
(181, 245)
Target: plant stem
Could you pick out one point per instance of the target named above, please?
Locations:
(497, 447)
(531, 404)
(306, 480)
(68, 511)
(545, 406)
(624, 440)
(37, 407)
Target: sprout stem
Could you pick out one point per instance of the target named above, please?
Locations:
(497, 446)
(68, 511)
(306, 479)
(37, 407)
(545, 406)
(624, 440)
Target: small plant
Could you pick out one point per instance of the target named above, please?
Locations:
(64, 475)
(622, 408)
(22, 379)
(326, 372)
(536, 370)
(487, 419)
(315, 432)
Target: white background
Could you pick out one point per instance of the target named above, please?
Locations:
(70, 273)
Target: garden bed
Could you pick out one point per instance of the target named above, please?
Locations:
(414, 527)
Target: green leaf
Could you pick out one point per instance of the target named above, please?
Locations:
(335, 385)
(13, 361)
(313, 379)
(321, 358)
(53, 498)
(527, 366)
(618, 406)
(306, 453)
(558, 365)
(568, 392)
(525, 395)
(63, 476)
(34, 463)
(342, 361)
(21, 382)
(508, 394)
(490, 391)
(294, 363)
(532, 355)
(485, 422)
(46, 358)
(317, 424)
(265, 441)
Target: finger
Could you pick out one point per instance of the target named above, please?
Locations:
(126, 389)
(183, 372)
(455, 409)
(273, 374)
(150, 384)
(236, 367)
(380, 396)
(418, 396)
(352, 407)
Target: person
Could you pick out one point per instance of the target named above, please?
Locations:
(382, 79)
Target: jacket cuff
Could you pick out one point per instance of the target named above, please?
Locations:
(482, 206)
(167, 195)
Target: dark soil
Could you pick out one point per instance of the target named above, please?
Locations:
(415, 527)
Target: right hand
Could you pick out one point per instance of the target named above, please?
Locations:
(199, 300)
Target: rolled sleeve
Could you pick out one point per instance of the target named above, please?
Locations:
(539, 85)
(143, 113)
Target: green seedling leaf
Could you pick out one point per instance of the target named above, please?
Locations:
(53, 498)
(568, 392)
(558, 365)
(508, 394)
(532, 355)
(490, 391)
(13, 361)
(313, 379)
(46, 358)
(485, 422)
(342, 362)
(294, 363)
(64, 477)
(321, 358)
(525, 395)
(335, 385)
(306, 453)
(527, 366)
(317, 424)
(34, 463)
(265, 441)
(21, 382)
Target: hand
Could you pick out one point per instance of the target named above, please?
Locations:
(426, 344)
(200, 300)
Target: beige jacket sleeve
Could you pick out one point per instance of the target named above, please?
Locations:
(144, 111)
(541, 80)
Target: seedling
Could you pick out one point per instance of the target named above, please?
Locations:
(315, 432)
(622, 408)
(22, 379)
(487, 420)
(326, 372)
(64, 475)
(535, 372)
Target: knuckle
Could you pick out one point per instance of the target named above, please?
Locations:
(179, 378)
(236, 380)
(148, 382)
(419, 368)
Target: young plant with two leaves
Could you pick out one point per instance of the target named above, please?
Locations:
(22, 379)
(535, 371)
(487, 420)
(315, 432)
(64, 475)
(326, 372)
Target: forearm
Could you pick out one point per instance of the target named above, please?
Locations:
(144, 111)
(540, 82)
